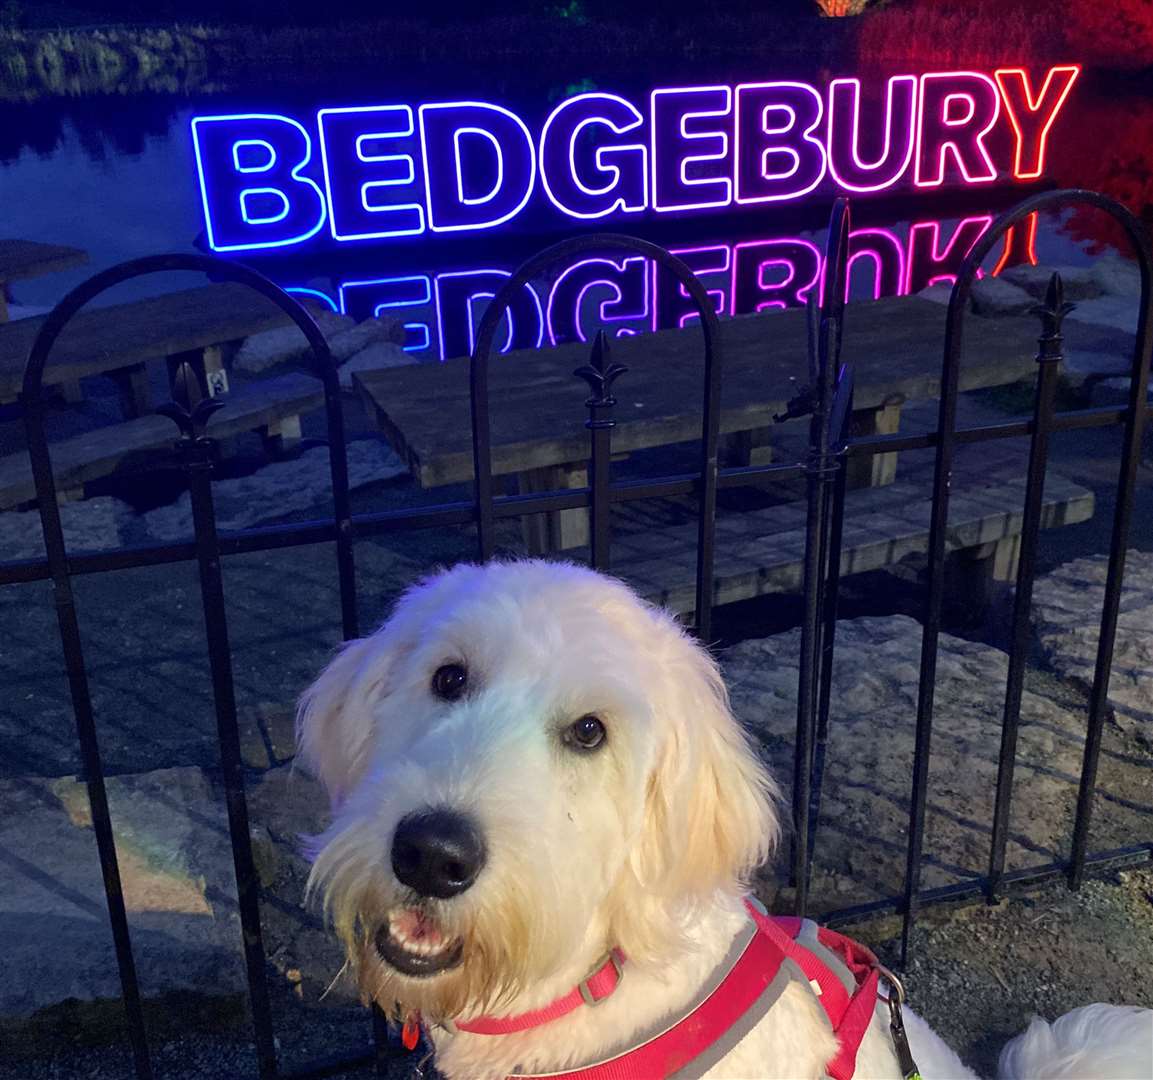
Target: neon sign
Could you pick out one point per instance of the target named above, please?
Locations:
(628, 295)
(394, 170)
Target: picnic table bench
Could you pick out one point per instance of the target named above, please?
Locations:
(537, 419)
(122, 447)
(193, 324)
(24, 259)
(763, 551)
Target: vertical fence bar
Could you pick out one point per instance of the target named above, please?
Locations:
(809, 675)
(1049, 356)
(482, 440)
(341, 498)
(710, 439)
(829, 616)
(821, 466)
(69, 628)
(197, 453)
(600, 374)
(1122, 517)
(934, 601)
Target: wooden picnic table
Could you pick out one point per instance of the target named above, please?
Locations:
(24, 259)
(894, 344)
(192, 324)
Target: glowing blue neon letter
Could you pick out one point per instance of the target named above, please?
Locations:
(479, 164)
(459, 313)
(616, 171)
(255, 201)
(369, 157)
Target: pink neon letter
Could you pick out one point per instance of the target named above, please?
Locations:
(896, 149)
(928, 262)
(1033, 117)
(773, 274)
(957, 110)
(778, 157)
(884, 250)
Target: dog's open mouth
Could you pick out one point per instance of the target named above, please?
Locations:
(412, 943)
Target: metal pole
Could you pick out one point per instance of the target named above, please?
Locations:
(1049, 357)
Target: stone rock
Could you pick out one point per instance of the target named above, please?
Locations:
(92, 525)
(279, 489)
(1118, 312)
(348, 343)
(267, 735)
(1082, 365)
(292, 806)
(938, 293)
(1117, 276)
(995, 296)
(286, 344)
(868, 772)
(1067, 615)
(380, 354)
(287, 807)
(179, 887)
(1078, 281)
(25, 311)
(1112, 392)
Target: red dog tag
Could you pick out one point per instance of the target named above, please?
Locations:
(410, 1033)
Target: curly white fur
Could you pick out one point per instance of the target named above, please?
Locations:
(645, 845)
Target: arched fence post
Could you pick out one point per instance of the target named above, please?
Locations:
(1051, 315)
(191, 413)
(600, 374)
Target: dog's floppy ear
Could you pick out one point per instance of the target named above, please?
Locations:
(334, 720)
(710, 815)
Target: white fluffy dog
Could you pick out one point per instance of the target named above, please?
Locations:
(532, 770)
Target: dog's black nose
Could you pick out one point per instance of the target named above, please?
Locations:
(437, 852)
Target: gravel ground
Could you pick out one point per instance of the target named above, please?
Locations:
(978, 974)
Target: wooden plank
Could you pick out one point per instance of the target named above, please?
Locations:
(537, 405)
(23, 259)
(106, 339)
(762, 551)
(134, 444)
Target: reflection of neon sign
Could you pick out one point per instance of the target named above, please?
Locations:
(400, 170)
(440, 311)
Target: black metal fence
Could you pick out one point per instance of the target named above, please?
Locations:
(827, 399)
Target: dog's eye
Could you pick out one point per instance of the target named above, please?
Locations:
(450, 681)
(587, 733)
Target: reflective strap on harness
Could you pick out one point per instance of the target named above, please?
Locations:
(849, 1013)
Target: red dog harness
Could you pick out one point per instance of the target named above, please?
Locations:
(764, 959)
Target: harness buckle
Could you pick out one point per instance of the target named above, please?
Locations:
(583, 986)
(894, 982)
